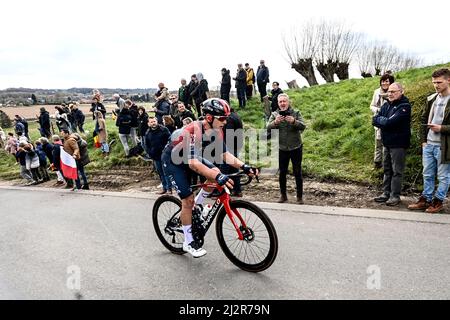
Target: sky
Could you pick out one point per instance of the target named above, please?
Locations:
(137, 44)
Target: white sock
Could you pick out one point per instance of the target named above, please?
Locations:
(187, 230)
(201, 196)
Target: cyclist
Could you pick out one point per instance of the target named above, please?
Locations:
(189, 152)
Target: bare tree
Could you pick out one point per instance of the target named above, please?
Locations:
(364, 59)
(301, 48)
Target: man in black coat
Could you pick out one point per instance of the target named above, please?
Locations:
(241, 84)
(274, 98)
(262, 79)
(155, 140)
(44, 123)
(182, 114)
(225, 85)
(78, 117)
(394, 120)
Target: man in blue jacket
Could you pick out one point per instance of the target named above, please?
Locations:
(394, 120)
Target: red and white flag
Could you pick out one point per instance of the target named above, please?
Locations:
(68, 165)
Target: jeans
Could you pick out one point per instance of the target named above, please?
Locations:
(262, 89)
(431, 160)
(105, 147)
(296, 157)
(393, 164)
(81, 173)
(162, 176)
(378, 157)
(124, 139)
(25, 173)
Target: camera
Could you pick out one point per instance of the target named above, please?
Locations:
(283, 113)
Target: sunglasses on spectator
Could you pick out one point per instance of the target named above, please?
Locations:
(221, 118)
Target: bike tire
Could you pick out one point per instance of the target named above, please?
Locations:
(232, 246)
(162, 212)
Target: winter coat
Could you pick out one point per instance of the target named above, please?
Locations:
(32, 160)
(241, 79)
(290, 137)
(162, 109)
(123, 121)
(44, 120)
(57, 156)
(48, 149)
(250, 76)
(394, 120)
(21, 157)
(19, 127)
(262, 74)
(199, 93)
(97, 106)
(42, 156)
(155, 141)
(233, 123)
(101, 130)
(78, 117)
(225, 85)
(134, 115)
(142, 124)
(84, 154)
(71, 147)
(11, 145)
(274, 99)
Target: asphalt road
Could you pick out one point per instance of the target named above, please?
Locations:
(63, 245)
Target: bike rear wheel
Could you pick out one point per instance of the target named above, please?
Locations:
(167, 223)
(259, 248)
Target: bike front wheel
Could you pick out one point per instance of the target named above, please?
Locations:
(167, 223)
(259, 248)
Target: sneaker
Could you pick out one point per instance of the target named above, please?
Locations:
(382, 198)
(421, 204)
(393, 201)
(194, 249)
(162, 192)
(436, 206)
(160, 185)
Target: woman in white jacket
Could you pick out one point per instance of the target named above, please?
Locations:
(32, 162)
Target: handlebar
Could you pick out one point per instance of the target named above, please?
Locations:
(237, 174)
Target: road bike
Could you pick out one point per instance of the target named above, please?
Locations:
(244, 232)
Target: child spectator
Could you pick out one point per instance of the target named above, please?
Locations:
(42, 161)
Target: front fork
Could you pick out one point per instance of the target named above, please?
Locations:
(232, 213)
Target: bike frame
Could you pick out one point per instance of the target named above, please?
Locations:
(223, 200)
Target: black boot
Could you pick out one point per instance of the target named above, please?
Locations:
(283, 198)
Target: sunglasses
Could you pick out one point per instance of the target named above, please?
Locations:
(221, 118)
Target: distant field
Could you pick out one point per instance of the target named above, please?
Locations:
(31, 111)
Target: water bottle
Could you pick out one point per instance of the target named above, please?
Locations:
(206, 210)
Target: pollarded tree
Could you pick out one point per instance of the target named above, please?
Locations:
(301, 48)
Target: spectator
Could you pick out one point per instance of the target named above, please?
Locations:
(435, 138)
(134, 120)
(155, 140)
(250, 81)
(169, 123)
(225, 85)
(379, 98)
(56, 164)
(182, 114)
(183, 92)
(70, 146)
(290, 124)
(120, 102)
(42, 161)
(142, 123)
(82, 162)
(19, 127)
(21, 155)
(262, 79)
(22, 138)
(394, 120)
(173, 109)
(97, 105)
(177, 132)
(102, 133)
(12, 144)
(234, 139)
(162, 95)
(2, 138)
(276, 90)
(44, 123)
(200, 92)
(47, 148)
(241, 85)
(162, 106)
(25, 125)
(32, 163)
(191, 87)
(62, 122)
(78, 118)
(123, 121)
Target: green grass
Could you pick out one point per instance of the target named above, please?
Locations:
(338, 140)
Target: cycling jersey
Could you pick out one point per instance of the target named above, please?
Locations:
(193, 143)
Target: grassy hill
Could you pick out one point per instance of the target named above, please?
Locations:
(338, 141)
